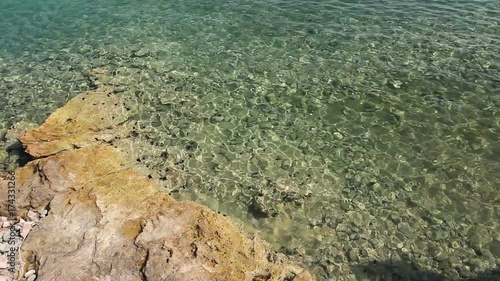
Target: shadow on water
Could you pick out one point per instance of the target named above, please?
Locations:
(404, 271)
(22, 156)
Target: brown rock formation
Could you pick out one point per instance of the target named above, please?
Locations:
(88, 119)
(108, 221)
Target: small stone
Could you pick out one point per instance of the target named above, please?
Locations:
(398, 112)
(342, 227)
(31, 278)
(353, 255)
(6, 236)
(444, 265)
(476, 239)
(345, 205)
(29, 273)
(266, 125)
(455, 244)
(442, 256)
(338, 135)
(465, 272)
(359, 219)
(495, 248)
(4, 247)
(339, 258)
(26, 229)
(405, 228)
(333, 269)
(376, 186)
(33, 216)
(118, 89)
(488, 258)
(474, 264)
(396, 84)
(176, 74)
(44, 213)
(141, 52)
(11, 79)
(440, 235)
(3, 262)
(453, 274)
(396, 258)
(255, 222)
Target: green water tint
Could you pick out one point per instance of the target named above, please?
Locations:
(341, 132)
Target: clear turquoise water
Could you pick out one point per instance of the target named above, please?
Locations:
(327, 127)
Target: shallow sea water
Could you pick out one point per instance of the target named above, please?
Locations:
(361, 138)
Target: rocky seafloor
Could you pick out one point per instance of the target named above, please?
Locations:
(354, 216)
(94, 213)
(367, 153)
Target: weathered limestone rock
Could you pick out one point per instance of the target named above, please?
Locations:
(88, 119)
(106, 220)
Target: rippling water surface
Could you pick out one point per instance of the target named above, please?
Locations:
(360, 138)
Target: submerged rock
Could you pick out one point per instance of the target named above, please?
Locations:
(105, 219)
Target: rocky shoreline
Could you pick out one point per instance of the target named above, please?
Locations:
(96, 214)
